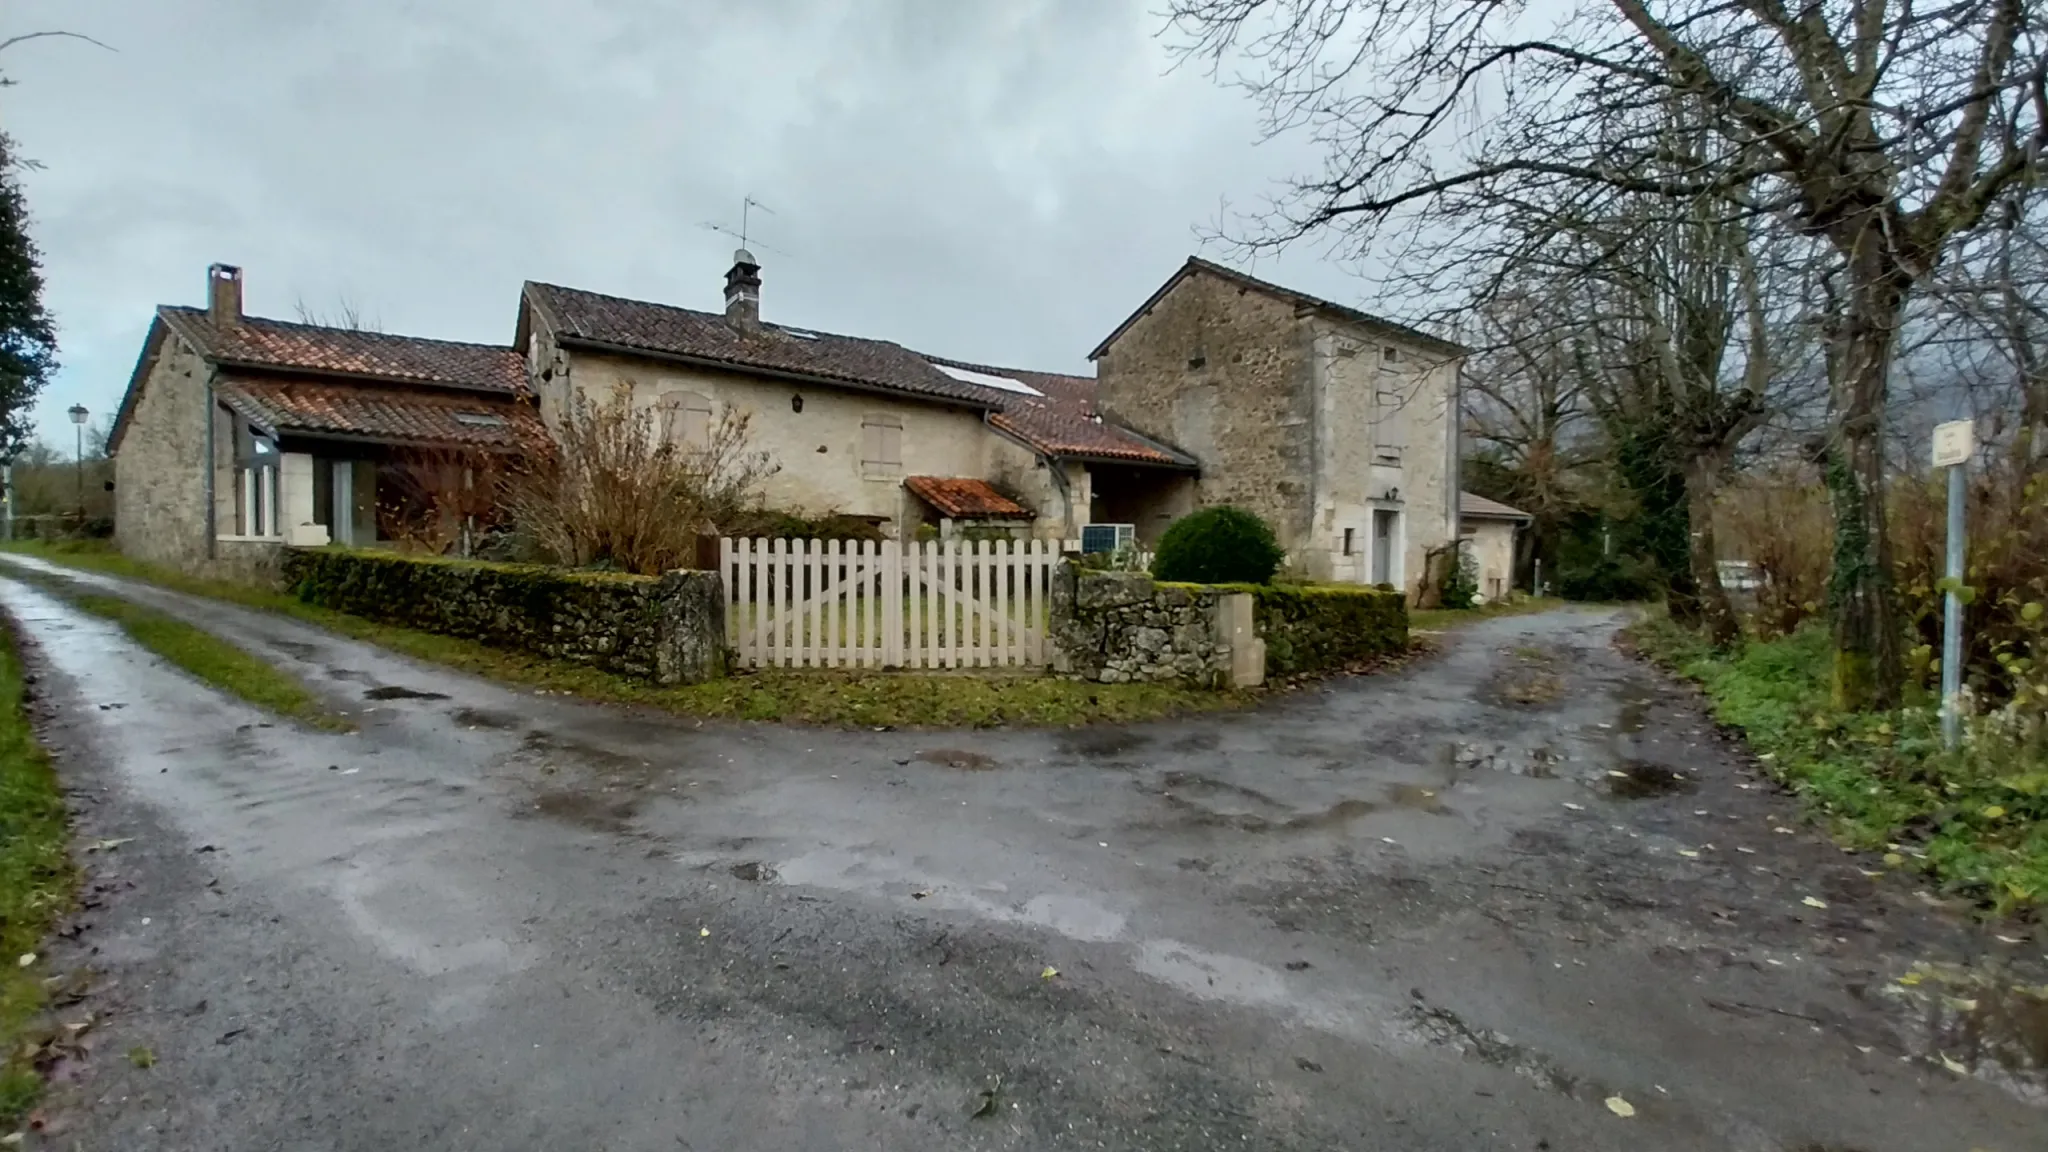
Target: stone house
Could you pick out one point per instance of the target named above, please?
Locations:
(238, 435)
(1488, 529)
(1335, 425)
(856, 427)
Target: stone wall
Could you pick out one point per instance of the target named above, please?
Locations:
(669, 629)
(1116, 627)
(1119, 627)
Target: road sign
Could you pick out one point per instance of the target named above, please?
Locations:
(1954, 443)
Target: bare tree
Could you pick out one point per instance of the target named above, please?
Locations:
(1884, 129)
(348, 315)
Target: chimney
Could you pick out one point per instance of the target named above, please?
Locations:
(224, 294)
(743, 292)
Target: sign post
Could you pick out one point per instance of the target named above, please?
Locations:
(1954, 443)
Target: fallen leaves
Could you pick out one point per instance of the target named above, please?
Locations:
(1049, 972)
(108, 845)
(1689, 853)
(142, 1056)
(1814, 902)
(1620, 1107)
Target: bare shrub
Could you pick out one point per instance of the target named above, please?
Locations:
(624, 489)
(441, 500)
(1782, 524)
(2005, 568)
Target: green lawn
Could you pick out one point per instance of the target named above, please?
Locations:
(1975, 820)
(36, 883)
(849, 698)
(198, 652)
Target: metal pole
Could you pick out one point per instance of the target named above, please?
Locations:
(7, 500)
(78, 459)
(1952, 622)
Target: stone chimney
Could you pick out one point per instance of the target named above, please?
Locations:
(743, 292)
(224, 294)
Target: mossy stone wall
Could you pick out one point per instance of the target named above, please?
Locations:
(668, 629)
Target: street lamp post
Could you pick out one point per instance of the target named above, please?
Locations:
(78, 415)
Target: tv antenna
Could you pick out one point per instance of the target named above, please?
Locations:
(747, 206)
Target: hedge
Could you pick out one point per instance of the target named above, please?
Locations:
(669, 629)
(1324, 627)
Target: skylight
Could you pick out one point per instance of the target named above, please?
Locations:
(480, 419)
(1005, 383)
(799, 333)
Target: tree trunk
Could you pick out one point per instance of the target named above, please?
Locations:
(1862, 604)
(1716, 616)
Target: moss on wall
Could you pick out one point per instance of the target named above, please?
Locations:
(1321, 628)
(668, 629)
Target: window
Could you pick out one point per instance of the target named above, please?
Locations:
(1387, 456)
(686, 419)
(480, 419)
(256, 481)
(1390, 355)
(881, 443)
(1348, 533)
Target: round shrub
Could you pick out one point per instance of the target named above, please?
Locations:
(1220, 545)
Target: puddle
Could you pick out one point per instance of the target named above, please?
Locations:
(1639, 780)
(598, 812)
(1635, 700)
(1099, 744)
(1210, 975)
(479, 718)
(957, 758)
(1996, 1029)
(399, 692)
(297, 649)
(1415, 796)
(1216, 804)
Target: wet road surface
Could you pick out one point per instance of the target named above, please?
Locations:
(1460, 906)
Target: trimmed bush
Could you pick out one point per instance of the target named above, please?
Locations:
(1321, 628)
(1220, 545)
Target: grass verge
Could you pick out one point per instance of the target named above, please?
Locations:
(1438, 619)
(200, 653)
(1975, 821)
(36, 882)
(805, 696)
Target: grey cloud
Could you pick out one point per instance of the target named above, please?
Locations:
(1000, 182)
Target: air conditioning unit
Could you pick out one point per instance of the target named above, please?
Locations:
(1108, 537)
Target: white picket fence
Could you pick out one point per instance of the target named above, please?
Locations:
(887, 604)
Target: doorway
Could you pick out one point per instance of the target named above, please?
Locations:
(1385, 531)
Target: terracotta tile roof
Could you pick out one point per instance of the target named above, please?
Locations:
(1062, 420)
(964, 498)
(594, 320)
(1298, 299)
(385, 414)
(1481, 508)
(274, 344)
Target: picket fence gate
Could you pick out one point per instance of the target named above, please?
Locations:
(887, 604)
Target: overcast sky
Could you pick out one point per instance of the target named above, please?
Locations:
(995, 180)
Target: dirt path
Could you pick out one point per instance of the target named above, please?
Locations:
(1413, 911)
